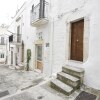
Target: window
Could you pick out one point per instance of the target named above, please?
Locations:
(39, 52)
(2, 40)
(2, 55)
(18, 49)
(18, 30)
(11, 38)
(18, 34)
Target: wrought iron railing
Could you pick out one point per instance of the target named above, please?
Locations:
(15, 38)
(36, 13)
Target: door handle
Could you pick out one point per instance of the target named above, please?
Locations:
(77, 40)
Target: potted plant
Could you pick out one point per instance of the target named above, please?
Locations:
(28, 58)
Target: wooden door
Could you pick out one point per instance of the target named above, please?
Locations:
(22, 51)
(39, 60)
(77, 34)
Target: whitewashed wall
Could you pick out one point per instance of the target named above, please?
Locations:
(3, 48)
(69, 10)
(56, 32)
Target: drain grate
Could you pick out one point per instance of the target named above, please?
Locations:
(85, 96)
(38, 81)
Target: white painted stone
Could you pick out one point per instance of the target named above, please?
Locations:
(57, 33)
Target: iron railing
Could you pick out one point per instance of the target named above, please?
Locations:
(39, 13)
(15, 38)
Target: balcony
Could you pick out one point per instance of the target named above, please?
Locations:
(15, 39)
(39, 14)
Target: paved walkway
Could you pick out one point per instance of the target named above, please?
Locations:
(39, 92)
(16, 80)
(44, 92)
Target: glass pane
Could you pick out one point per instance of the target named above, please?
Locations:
(39, 53)
(2, 40)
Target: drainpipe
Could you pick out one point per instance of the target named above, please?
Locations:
(53, 42)
(52, 45)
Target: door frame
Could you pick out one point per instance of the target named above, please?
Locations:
(85, 37)
(71, 39)
(36, 55)
(12, 56)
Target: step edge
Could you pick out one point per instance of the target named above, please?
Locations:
(76, 80)
(73, 69)
(71, 89)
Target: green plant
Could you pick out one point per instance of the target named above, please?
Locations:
(28, 58)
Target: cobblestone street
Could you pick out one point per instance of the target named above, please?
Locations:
(30, 85)
(49, 50)
(16, 80)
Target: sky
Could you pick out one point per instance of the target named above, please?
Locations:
(8, 9)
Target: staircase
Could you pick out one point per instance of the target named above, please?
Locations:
(67, 81)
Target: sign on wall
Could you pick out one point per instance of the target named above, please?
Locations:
(47, 44)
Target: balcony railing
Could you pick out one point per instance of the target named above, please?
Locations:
(15, 38)
(39, 14)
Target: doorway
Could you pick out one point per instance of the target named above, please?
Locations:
(11, 57)
(39, 57)
(77, 34)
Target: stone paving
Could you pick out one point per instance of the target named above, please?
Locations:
(16, 80)
(44, 92)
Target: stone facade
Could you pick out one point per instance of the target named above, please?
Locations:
(56, 35)
(3, 44)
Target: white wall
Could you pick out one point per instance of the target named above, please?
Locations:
(57, 33)
(3, 48)
(92, 66)
(67, 12)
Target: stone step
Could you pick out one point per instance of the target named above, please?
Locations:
(61, 87)
(68, 79)
(74, 71)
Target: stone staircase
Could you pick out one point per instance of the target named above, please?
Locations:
(67, 81)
